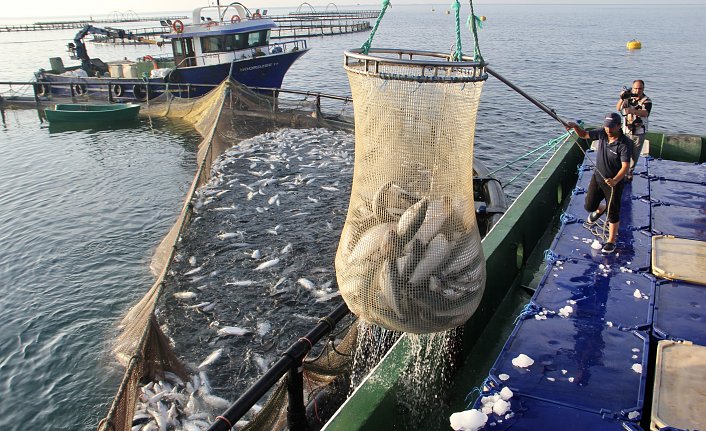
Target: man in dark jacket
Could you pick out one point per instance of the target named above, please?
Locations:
(613, 156)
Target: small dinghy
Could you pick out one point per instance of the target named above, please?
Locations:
(80, 112)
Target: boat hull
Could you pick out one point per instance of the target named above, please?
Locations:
(266, 71)
(81, 113)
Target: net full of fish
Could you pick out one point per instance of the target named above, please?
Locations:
(254, 270)
(410, 257)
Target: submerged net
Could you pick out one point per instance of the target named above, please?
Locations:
(410, 256)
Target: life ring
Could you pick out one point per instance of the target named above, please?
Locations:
(140, 91)
(256, 15)
(80, 89)
(234, 19)
(178, 26)
(117, 90)
(154, 62)
(41, 89)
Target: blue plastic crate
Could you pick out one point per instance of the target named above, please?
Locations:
(528, 414)
(678, 171)
(680, 312)
(578, 364)
(682, 222)
(633, 248)
(678, 193)
(599, 293)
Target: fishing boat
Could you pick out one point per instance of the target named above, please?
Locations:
(84, 113)
(221, 41)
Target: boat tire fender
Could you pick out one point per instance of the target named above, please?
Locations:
(117, 90)
(140, 91)
(178, 26)
(80, 89)
(235, 19)
(41, 89)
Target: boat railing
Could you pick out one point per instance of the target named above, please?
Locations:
(291, 364)
(251, 52)
(179, 89)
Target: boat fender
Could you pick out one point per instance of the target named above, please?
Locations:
(235, 19)
(117, 90)
(140, 91)
(41, 89)
(80, 89)
(178, 26)
(256, 15)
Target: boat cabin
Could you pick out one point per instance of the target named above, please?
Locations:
(221, 34)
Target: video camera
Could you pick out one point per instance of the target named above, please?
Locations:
(626, 93)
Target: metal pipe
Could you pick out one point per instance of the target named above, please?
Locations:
(296, 411)
(292, 356)
(536, 102)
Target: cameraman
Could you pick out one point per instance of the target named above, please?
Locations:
(635, 107)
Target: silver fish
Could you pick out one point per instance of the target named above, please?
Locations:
(268, 264)
(436, 215)
(210, 359)
(370, 241)
(233, 330)
(436, 253)
(307, 284)
(241, 283)
(185, 295)
(411, 219)
(194, 271)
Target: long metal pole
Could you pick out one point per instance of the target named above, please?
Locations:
(536, 102)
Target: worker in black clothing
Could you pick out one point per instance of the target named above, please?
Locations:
(613, 156)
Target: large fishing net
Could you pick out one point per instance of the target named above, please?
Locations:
(224, 117)
(410, 256)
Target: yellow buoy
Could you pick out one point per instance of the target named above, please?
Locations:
(482, 18)
(634, 44)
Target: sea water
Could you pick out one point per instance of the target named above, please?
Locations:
(83, 210)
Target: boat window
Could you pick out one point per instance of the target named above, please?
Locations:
(258, 38)
(223, 43)
(212, 44)
(176, 45)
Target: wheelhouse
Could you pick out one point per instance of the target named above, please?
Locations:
(235, 34)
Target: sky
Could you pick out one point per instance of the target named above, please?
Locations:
(56, 8)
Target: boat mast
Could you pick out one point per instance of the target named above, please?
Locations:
(218, 6)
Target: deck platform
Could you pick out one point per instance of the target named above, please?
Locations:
(593, 324)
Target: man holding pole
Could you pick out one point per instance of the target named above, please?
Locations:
(612, 164)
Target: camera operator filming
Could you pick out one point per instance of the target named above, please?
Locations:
(635, 107)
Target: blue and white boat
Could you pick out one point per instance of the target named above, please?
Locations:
(220, 41)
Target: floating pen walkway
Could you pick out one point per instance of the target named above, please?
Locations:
(64, 25)
(617, 341)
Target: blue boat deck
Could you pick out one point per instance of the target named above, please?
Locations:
(592, 325)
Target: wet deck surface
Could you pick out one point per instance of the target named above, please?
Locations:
(592, 326)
